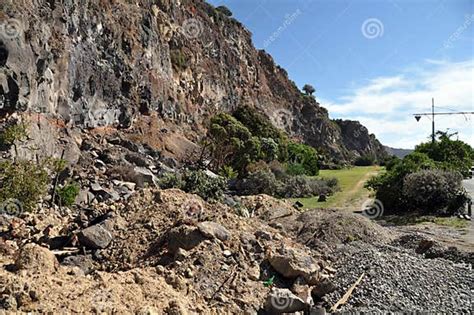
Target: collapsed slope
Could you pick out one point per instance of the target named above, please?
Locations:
(158, 69)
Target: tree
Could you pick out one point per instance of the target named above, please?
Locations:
(224, 10)
(449, 154)
(309, 89)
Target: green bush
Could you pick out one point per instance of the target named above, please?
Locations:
(365, 160)
(449, 154)
(259, 182)
(264, 181)
(207, 187)
(24, 181)
(12, 133)
(434, 191)
(67, 194)
(295, 169)
(224, 10)
(179, 59)
(171, 180)
(195, 182)
(302, 186)
(305, 155)
(228, 172)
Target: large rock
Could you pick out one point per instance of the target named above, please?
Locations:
(325, 286)
(185, 237)
(292, 263)
(214, 230)
(33, 257)
(95, 237)
(143, 176)
(281, 301)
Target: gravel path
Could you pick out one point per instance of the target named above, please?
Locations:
(398, 280)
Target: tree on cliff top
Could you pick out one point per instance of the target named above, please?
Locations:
(309, 89)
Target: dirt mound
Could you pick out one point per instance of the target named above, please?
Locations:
(204, 258)
(325, 229)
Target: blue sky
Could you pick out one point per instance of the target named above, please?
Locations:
(377, 61)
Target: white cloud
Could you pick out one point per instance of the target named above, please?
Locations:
(386, 104)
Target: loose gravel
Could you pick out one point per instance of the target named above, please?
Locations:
(398, 280)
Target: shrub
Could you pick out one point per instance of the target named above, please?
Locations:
(449, 154)
(171, 180)
(16, 132)
(434, 191)
(228, 172)
(295, 169)
(179, 59)
(365, 160)
(224, 10)
(259, 182)
(207, 187)
(305, 155)
(24, 181)
(302, 186)
(67, 195)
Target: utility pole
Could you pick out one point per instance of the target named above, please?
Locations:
(433, 139)
(433, 114)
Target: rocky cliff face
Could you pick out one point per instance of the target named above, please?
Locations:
(157, 70)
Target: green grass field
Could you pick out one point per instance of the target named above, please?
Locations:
(351, 183)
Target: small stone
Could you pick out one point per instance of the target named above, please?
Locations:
(284, 301)
(227, 253)
(214, 230)
(95, 237)
(254, 272)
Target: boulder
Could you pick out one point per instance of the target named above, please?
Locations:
(323, 287)
(95, 237)
(291, 263)
(281, 301)
(214, 230)
(33, 257)
(143, 176)
(185, 237)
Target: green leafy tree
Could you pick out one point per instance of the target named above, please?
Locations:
(309, 89)
(224, 10)
(449, 154)
(305, 155)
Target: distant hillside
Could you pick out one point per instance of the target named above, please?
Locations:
(401, 153)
